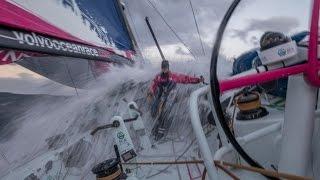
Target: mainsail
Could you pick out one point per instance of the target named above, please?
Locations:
(59, 38)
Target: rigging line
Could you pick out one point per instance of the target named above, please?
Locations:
(138, 37)
(68, 70)
(177, 36)
(181, 155)
(134, 26)
(196, 23)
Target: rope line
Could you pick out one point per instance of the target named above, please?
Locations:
(134, 26)
(220, 164)
(177, 36)
(68, 70)
(196, 23)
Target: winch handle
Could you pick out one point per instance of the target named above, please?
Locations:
(92, 133)
(114, 124)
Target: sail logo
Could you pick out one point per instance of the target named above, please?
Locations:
(9, 56)
(33, 39)
(88, 20)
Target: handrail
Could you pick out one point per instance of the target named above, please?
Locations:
(248, 138)
(201, 138)
(251, 137)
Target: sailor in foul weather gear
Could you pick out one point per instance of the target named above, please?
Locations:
(167, 80)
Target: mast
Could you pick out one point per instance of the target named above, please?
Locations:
(154, 38)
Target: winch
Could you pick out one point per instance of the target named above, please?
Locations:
(110, 169)
(249, 104)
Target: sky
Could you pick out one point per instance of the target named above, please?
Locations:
(253, 18)
(250, 20)
(178, 15)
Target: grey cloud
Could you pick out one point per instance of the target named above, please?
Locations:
(280, 24)
(181, 51)
(254, 40)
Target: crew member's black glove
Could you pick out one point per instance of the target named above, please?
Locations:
(201, 79)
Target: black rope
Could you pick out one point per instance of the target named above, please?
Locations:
(215, 90)
(196, 23)
(177, 36)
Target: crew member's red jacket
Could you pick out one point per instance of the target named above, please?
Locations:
(175, 77)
